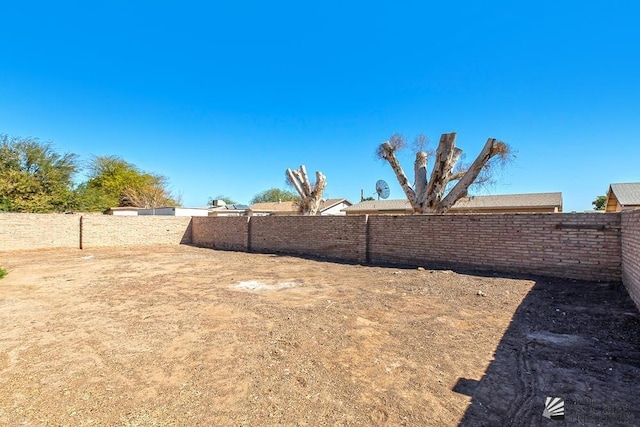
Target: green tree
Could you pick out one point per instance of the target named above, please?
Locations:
(275, 195)
(114, 182)
(599, 203)
(34, 177)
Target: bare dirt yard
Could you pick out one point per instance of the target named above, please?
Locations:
(181, 336)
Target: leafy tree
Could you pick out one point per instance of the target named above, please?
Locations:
(275, 195)
(599, 203)
(33, 177)
(115, 182)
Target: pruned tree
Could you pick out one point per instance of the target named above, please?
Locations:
(310, 195)
(447, 176)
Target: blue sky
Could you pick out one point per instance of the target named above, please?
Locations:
(222, 97)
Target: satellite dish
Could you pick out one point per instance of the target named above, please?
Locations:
(382, 189)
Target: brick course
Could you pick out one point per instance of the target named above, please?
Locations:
(631, 254)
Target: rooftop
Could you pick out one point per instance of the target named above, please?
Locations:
(627, 193)
(275, 207)
(503, 201)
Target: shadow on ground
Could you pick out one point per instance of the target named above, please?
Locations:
(579, 341)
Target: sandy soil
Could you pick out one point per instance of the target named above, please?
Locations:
(176, 335)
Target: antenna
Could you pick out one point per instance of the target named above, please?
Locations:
(382, 189)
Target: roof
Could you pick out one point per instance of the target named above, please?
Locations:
(275, 207)
(123, 208)
(509, 201)
(329, 203)
(234, 207)
(381, 205)
(503, 201)
(627, 193)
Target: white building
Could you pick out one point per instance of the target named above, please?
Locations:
(175, 211)
(122, 211)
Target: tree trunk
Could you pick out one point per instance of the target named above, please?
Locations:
(420, 173)
(442, 168)
(310, 198)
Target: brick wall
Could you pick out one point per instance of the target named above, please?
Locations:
(580, 246)
(631, 254)
(221, 233)
(335, 237)
(21, 231)
(107, 230)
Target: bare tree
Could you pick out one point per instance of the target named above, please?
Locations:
(428, 196)
(310, 195)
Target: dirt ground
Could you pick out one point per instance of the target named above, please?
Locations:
(178, 336)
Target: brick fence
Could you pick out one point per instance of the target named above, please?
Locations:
(107, 230)
(591, 246)
(631, 254)
(578, 246)
(334, 237)
(221, 233)
(21, 231)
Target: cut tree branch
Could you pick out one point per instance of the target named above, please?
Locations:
(388, 153)
(490, 149)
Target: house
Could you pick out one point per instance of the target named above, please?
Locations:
(122, 211)
(622, 197)
(372, 207)
(274, 208)
(334, 206)
(505, 203)
(327, 207)
(229, 210)
(510, 203)
(175, 211)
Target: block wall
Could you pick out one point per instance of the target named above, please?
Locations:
(631, 254)
(579, 246)
(221, 232)
(23, 231)
(588, 246)
(107, 230)
(334, 237)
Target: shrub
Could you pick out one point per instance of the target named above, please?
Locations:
(3, 272)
